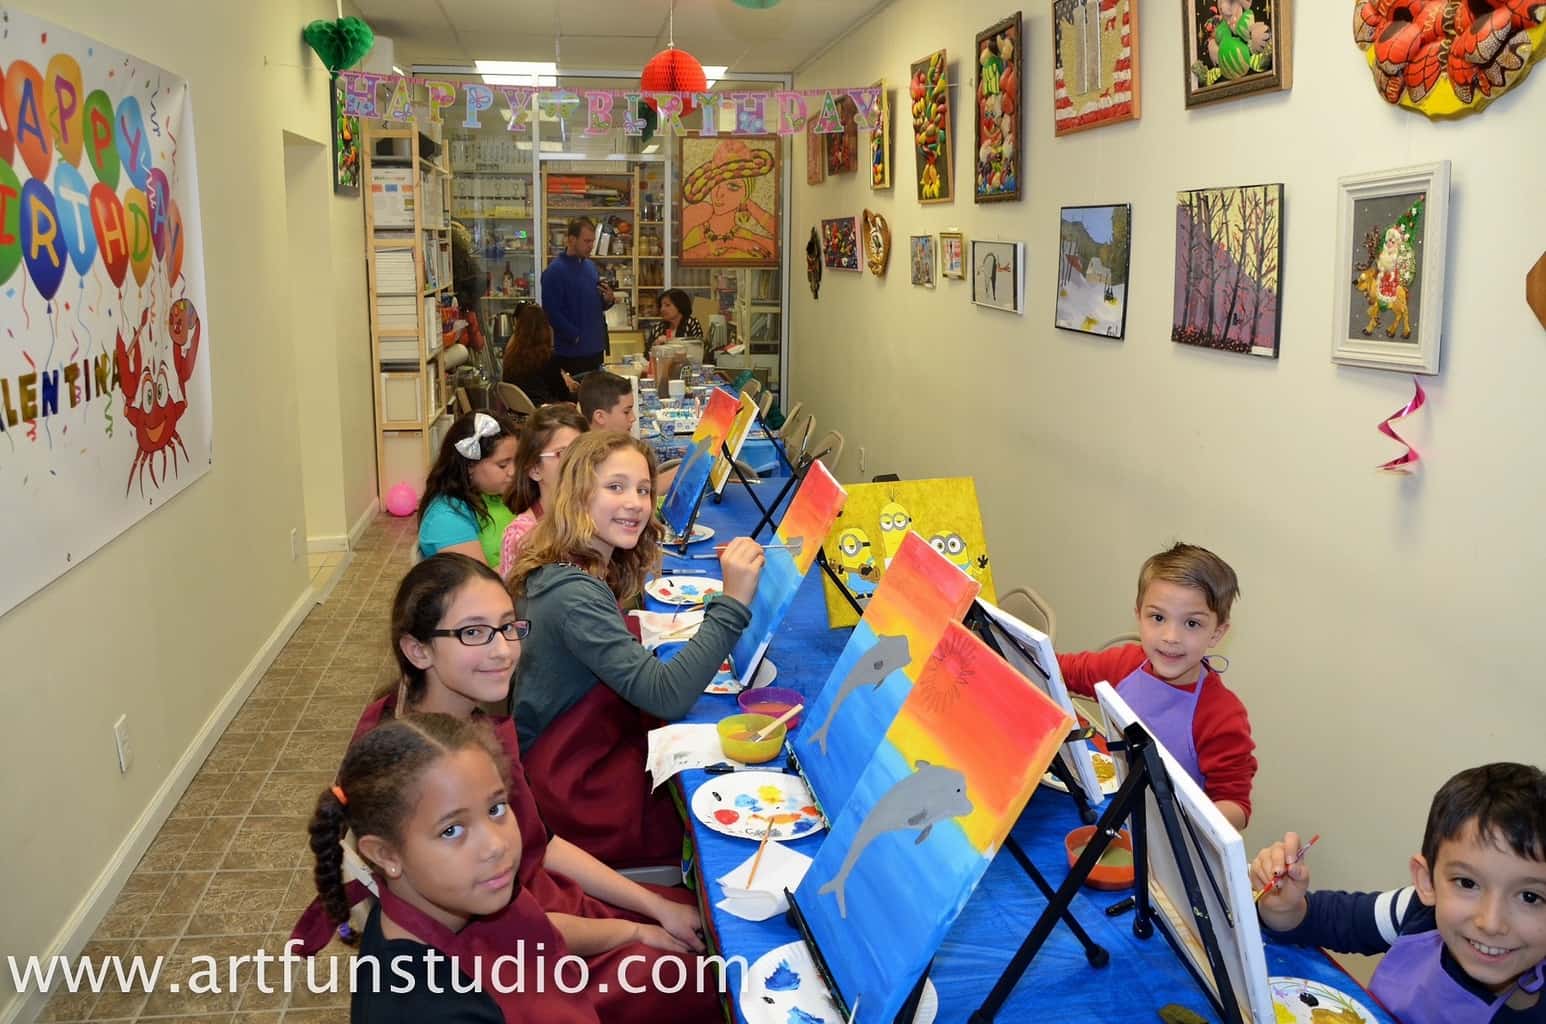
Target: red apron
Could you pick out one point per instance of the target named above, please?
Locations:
(587, 772)
(486, 940)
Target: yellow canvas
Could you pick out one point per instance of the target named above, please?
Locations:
(876, 517)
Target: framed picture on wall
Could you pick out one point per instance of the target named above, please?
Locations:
(1093, 247)
(998, 275)
(843, 146)
(1235, 48)
(840, 243)
(933, 152)
(998, 146)
(880, 142)
(1389, 305)
(1094, 64)
(815, 155)
(952, 254)
(730, 192)
(346, 145)
(1229, 269)
(920, 250)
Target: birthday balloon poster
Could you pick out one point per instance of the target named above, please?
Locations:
(104, 359)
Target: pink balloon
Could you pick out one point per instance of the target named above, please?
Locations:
(402, 501)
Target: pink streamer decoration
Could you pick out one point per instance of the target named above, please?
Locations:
(1407, 461)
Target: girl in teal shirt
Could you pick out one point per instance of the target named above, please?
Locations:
(463, 508)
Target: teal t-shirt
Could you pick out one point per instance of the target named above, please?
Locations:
(450, 521)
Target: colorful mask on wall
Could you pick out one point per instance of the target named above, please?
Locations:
(813, 263)
(1535, 289)
(877, 243)
(1447, 58)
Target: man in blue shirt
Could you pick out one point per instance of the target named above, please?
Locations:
(576, 299)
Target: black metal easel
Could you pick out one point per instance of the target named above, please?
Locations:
(1146, 774)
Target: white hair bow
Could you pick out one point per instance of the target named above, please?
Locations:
(471, 447)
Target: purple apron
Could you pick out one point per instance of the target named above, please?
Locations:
(1414, 986)
(1167, 711)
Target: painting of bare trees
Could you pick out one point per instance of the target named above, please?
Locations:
(1229, 269)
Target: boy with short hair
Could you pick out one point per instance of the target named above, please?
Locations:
(1471, 948)
(606, 401)
(1184, 598)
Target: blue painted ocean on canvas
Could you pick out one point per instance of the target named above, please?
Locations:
(692, 476)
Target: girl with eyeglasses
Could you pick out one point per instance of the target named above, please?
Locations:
(457, 640)
(548, 433)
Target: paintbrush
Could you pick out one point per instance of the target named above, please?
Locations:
(794, 548)
(780, 720)
(1272, 883)
(757, 860)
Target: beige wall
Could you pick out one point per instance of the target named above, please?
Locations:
(1388, 634)
(165, 621)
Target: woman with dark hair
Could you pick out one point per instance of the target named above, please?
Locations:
(676, 319)
(529, 361)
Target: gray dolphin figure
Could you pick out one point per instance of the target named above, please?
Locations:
(888, 654)
(932, 793)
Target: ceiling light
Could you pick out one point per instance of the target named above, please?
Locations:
(714, 73)
(518, 72)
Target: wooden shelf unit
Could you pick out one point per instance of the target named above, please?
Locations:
(407, 204)
(640, 275)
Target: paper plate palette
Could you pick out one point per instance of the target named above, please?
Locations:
(699, 533)
(1299, 1001)
(740, 804)
(727, 680)
(782, 987)
(686, 591)
(1105, 773)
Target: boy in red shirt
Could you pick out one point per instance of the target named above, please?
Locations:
(1184, 597)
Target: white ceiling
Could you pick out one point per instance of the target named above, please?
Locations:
(614, 34)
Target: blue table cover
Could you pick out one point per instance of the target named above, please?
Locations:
(1059, 985)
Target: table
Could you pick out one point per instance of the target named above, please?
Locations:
(1143, 975)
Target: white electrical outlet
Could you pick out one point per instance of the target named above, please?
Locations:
(121, 739)
(861, 461)
(295, 548)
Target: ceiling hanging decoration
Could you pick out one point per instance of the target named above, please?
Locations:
(670, 70)
(341, 44)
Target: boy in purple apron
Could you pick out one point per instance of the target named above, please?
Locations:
(1184, 597)
(1471, 947)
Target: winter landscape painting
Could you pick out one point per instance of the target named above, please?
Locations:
(1093, 247)
(1228, 269)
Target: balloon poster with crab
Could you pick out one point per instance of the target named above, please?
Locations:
(104, 367)
(1448, 58)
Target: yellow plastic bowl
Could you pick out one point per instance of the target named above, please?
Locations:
(735, 735)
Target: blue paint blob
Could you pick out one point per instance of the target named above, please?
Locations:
(804, 825)
(783, 979)
(799, 1016)
(748, 802)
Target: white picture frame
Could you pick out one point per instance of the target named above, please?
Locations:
(1038, 662)
(997, 272)
(1240, 944)
(1392, 319)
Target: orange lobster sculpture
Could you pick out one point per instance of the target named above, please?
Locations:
(151, 375)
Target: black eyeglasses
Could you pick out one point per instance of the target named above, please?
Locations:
(482, 636)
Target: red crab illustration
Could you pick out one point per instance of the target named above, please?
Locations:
(151, 374)
(1478, 44)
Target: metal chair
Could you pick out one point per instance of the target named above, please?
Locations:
(798, 443)
(783, 432)
(766, 404)
(1030, 608)
(463, 403)
(828, 450)
(514, 400)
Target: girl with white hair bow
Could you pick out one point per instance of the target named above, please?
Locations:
(463, 507)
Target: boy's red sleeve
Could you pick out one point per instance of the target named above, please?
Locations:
(1082, 671)
(1226, 755)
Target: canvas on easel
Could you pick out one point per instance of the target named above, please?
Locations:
(943, 512)
(932, 808)
(1030, 651)
(1222, 854)
(809, 516)
(740, 427)
(683, 498)
(921, 595)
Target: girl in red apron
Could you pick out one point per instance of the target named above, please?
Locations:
(457, 640)
(586, 692)
(429, 805)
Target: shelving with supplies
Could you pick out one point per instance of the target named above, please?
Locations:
(408, 270)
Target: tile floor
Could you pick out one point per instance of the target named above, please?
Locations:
(230, 870)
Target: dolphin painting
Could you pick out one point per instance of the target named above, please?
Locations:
(888, 654)
(932, 793)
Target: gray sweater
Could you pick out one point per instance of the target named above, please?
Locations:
(578, 639)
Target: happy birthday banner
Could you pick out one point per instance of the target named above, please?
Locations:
(787, 111)
(104, 370)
